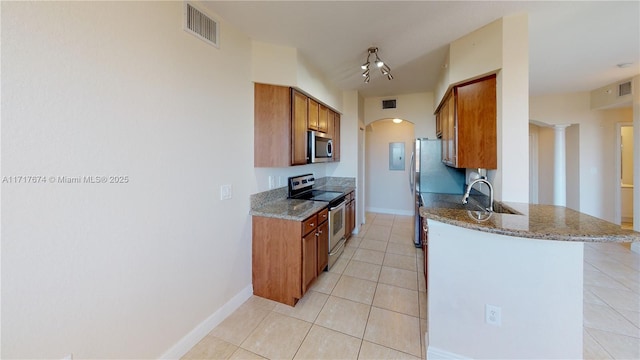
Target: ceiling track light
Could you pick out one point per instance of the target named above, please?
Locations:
(384, 68)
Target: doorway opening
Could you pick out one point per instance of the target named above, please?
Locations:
(387, 179)
(624, 162)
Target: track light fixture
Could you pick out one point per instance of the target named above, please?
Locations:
(384, 68)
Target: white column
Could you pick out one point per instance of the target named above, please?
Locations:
(560, 166)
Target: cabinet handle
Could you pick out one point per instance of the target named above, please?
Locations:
(319, 231)
(312, 224)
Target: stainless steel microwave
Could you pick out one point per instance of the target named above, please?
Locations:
(320, 147)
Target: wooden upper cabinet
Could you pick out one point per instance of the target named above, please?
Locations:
(272, 126)
(282, 118)
(336, 136)
(468, 122)
(313, 114)
(299, 128)
(323, 118)
(476, 112)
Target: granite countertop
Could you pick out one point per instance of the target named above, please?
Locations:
(278, 206)
(290, 209)
(344, 189)
(545, 222)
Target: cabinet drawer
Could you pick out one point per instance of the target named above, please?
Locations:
(309, 224)
(323, 216)
(348, 198)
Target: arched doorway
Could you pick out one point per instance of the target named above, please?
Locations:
(387, 188)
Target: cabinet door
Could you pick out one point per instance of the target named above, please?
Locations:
(313, 114)
(323, 246)
(445, 133)
(272, 126)
(323, 118)
(476, 120)
(348, 227)
(330, 125)
(453, 127)
(309, 260)
(336, 137)
(352, 216)
(299, 128)
(446, 115)
(425, 248)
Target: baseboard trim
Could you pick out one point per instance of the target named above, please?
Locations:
(389, 211)
(199, 332)
(434, 353)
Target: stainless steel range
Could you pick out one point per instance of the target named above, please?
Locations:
(301, 187)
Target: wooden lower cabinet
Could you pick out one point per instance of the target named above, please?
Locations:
(287, 256)
(350, 221)
(425, 248)
(309, 260)
(323, 247)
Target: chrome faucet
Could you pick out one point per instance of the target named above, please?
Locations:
(465, 198)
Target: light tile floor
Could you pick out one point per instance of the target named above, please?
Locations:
(372, 305)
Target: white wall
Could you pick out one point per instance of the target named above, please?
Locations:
(546, 168)
(417, 108)
(512, 176)
(118, 88)
(596, 146)
(477, 53)
(387, 191)
(572, 135)
(545, 165)
(469, 269)
(273, 64)
(284, 65)
(315, 84)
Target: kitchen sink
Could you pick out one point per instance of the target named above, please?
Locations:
(498, 207)
(501, 208)
(475, 203)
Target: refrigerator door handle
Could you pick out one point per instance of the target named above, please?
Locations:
(411, 173)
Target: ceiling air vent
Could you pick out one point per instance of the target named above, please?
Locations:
(624, 88)
(389, 104)
(200, 25)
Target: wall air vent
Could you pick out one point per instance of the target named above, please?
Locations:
(624, 88)
(389, 104)
(200, 25)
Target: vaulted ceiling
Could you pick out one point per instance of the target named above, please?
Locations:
(573, 45)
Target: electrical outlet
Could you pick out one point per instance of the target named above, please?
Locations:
(226, 192)
(493, 315)
(272, 182)
(68, 357)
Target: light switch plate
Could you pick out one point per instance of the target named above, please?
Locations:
(226, 192)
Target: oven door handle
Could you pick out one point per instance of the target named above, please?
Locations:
(338, 247)
(342, 204)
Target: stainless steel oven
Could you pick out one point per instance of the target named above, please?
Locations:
(301, 187)
(337, 216)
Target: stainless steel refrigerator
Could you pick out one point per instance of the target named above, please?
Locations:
(428, 174)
